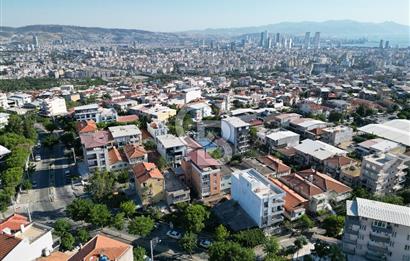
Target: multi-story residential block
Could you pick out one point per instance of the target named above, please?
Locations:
(104, 248)
(159, 112)
(203, 173)
(4, 119)
(383, 173)
(149, 182)
(3, 101)
(95, 149)
(116, 160)
(172, 148)
(282, 139)
(125, 134)
(379, 145)
(236, 132)
(199, 110)
(21, 239)
(175, 190)
(337, 135)
(305, 125)
(95, 113)
(282, 120)
(275, 165)
(135, 154)
(376, 231)
(20, 99)
(157, 128)
(337, 164)
(53, 107)
(262, 200)
(314, 152)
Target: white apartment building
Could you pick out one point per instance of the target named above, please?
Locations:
(157, 128)
(3, 101)
(376, 231)
(314, 152)
(378, 145)
(53, 107)
(236, 131)
(95, 149)
(191, 94)
(383, 173)
(337, 135)
(20, 99)
(258, 196)
(159, 112)
(4, 119)
(95, 112)
(127, 134)
(172, 148)
(199, 111)
(282, 139)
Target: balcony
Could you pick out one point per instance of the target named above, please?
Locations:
(351, 231)
(374, 257)
(378, 249)
(387, 230)
(349, 240)
(379, 238)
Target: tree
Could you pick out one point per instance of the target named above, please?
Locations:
(139, 253)
(221, 233)
(161, 163)
(82, 235)
(15, 124)
(271, 246)
(79, 209)
(122, 176)
(128, 208)
(322, 249)
(300, 242)
(195, 216)
(118, 221)
(336, 253)
(142, 122)
(141, 225)
(253, 134)
(229, 251)
(68, 138)
(100, 215)
(333, 225)
(50, 126)
(188, 242)
(305, 222)
(250, 238)
(150, 145)
(61, 226)
(271, 257)
(216, 153)
(4, 201)
(101, 185)
(335, 116)
(67, 241)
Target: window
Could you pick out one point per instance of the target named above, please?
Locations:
(408, 237)
(407, 247)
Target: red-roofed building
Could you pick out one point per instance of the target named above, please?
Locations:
(276, 165)
(14, 223)
(135, 153)
(203, 173)
(116, 160)
(86, 126)
(127, 118)
(95, 149)
(149, 182)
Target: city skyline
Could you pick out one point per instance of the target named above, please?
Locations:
(185, 15)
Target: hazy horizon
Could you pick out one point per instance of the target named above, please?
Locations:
(185, 15)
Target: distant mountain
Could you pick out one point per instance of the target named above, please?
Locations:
(338, 28)
(89, 34)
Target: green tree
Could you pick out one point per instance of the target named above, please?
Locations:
(150, 145)
(61, 226)
(67, 241)
(118, 221)
(300, 242)
(188, 242)
(216, 153)
(101, 185)
(195, 216)
(161, 163)
(336, 253)
(335, 116)
(15, 124)
(139, 253)
(100, 215)
(4, 201)
(322, 249)
(253, 134)
(333, 225)
(230, 251)
(250, 238)
(79, 209)
(82, 235)
(305, 222)
(271, 246)
(221, 233)
(128, 208)
(68, 138)
(142, 122)
(271, 257)
(141, 225)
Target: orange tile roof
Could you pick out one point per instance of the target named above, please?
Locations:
(114, 156)
(292, 199)
(86, 126)
(7, 244)
(274, 163)
(55, 256)
(324, 182)
(127, 118)
(14, 222)
(101, 246)
(146, 170)
(301, 185)
(134, 151)
(339, 161)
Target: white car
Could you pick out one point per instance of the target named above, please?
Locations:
(205, 243)
(38, 158)
(174, 234)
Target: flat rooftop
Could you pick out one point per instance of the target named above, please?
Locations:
(126, 130)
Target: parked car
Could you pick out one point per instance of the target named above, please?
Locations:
(38, 158)
(205, 243)
(174, 234)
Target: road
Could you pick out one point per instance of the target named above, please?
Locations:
(52, 190)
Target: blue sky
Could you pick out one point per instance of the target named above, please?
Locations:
(178, 15)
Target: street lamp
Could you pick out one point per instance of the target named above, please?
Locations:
(153, 243)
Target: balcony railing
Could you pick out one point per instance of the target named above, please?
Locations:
(379, 238)
(378, 249)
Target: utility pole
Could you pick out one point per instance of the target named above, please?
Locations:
(153, 243)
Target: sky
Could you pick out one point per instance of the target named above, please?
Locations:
(181, 15)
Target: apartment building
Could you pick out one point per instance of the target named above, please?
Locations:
(172, 148)
(199, 110)
(157, 128)
(95, 112)
(4, 119)
(277, 167)
(337, 135)
(236, 131)
(21, 239)
(282, 139)
(125, 134)
(262, 200)
(149, 182)
(314, 152)
(203, 173)
(3, 101)
(379, 145)
(20, 99)
(159, 112)
(53, 107)
(376, 231)
(95, 149)
(175, 190)
(135, 154)
(383, 173)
